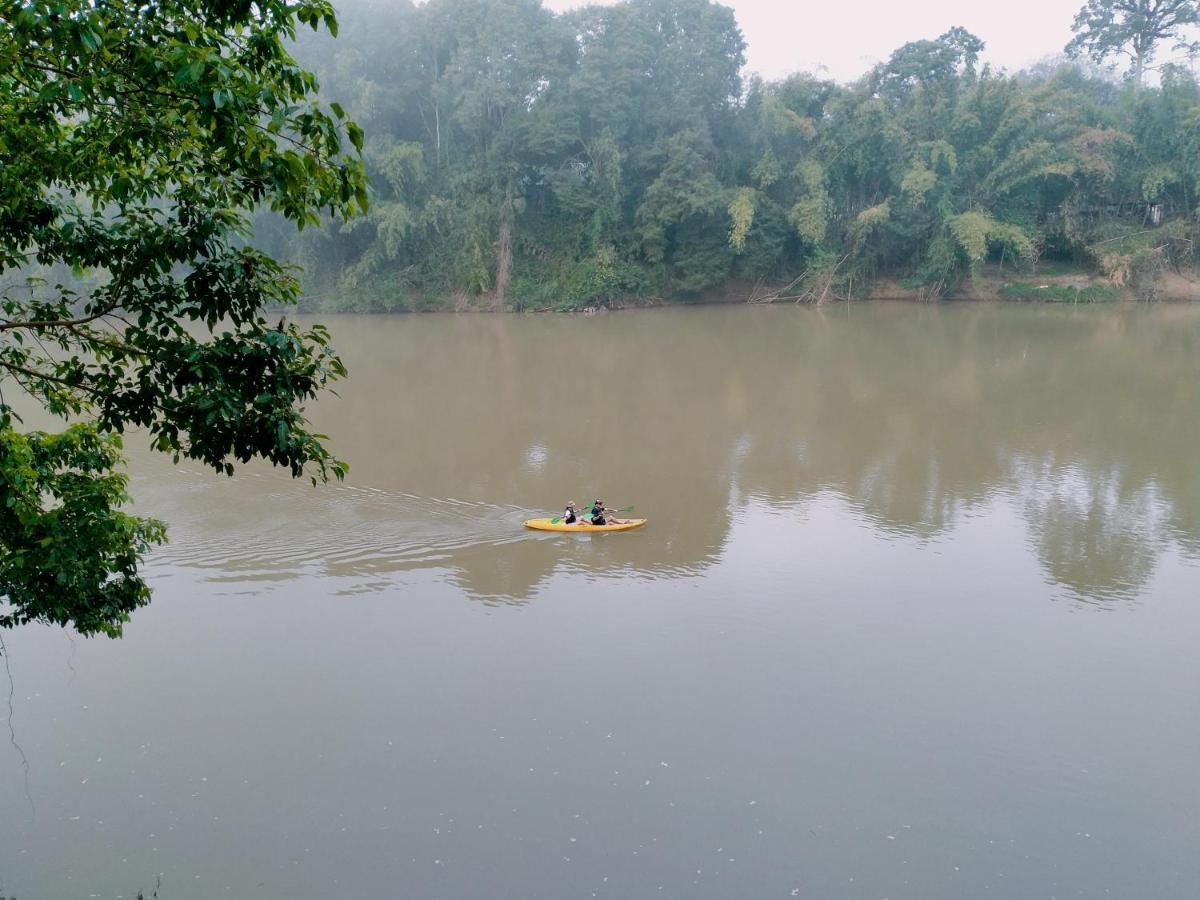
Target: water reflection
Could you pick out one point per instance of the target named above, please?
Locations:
(368, 539)
(1093, 534)
(1084, 421)
(830, 665)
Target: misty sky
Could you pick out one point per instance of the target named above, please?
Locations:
(847, 38)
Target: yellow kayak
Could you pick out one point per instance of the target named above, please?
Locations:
(547, 525)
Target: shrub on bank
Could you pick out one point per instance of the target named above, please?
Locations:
(1060, 293)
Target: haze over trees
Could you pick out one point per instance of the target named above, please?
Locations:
(525, 159)
(1132, 28)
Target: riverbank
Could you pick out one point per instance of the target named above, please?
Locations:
(1053, 284)
(1056, 286)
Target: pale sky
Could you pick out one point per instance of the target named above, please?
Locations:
(847, 38)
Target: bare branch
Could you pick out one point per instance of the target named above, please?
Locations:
(59, 323)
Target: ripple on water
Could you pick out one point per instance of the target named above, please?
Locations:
(365, 532)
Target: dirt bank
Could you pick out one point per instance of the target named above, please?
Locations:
(994, 285)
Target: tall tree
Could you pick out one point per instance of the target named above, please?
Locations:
(1132, 28)
(135, 139)
(614, 151)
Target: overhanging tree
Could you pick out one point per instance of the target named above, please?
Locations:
(135, 140)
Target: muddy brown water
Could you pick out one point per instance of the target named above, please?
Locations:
(915, 615)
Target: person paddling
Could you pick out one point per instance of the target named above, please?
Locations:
(569, 516)
(601, 515)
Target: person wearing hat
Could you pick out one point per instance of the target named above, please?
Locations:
(569, 515)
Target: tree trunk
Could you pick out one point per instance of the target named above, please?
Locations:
(503, 256)
(437, 115)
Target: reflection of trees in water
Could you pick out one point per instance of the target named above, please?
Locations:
(1093, 534)
(501, 392)
(1088, 419)
(527, 565)
(916, 417)
(262, 530)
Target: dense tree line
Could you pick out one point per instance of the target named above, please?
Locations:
(526, 159)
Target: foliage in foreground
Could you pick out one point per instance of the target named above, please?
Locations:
(135, 140)
(534, 160)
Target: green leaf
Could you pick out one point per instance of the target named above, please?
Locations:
(89, 39)
(114, 169)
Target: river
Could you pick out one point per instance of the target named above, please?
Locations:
(915, 615)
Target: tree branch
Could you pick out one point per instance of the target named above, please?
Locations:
(59, 323)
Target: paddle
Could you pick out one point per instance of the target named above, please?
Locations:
(558, 519)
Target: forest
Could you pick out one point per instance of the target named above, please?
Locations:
(522, 159)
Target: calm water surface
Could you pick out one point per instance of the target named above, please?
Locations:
(916, 615)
